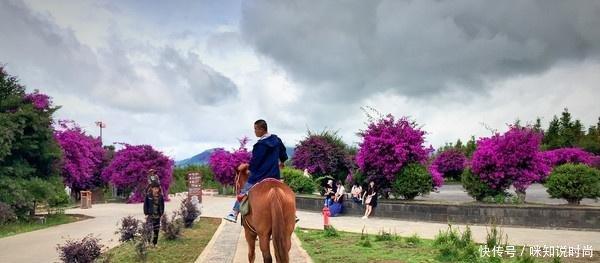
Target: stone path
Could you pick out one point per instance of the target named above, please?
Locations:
(223, 244)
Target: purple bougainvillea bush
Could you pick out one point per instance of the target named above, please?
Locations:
(568, 155)
(512, 158)
(129, 170)
(224, 163)
(436, 176)
(323, 154)
(82, 156)
(39, 100)
(388, 146)
(450, 163)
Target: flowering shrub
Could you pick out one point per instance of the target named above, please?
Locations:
(388, 146)
(86, 250)
(129, 170)
(510, 158)
(595, 161)
(574, 182)
(568, 155)
(437, 178)
(39, 100)
(449, 163)
(224, 164)
(323, 154)
(82, 155)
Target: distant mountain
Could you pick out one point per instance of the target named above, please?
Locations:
(202, 158)
(198, 159)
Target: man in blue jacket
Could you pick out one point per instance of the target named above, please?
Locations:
(268, 156)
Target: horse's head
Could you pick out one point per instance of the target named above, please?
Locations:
(241, 176)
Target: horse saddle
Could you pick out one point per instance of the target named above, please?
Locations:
(244, 206)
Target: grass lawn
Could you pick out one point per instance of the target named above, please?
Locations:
(185, 249)
(52, 220)
(349, 247)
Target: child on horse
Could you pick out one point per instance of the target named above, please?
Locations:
(268, 156)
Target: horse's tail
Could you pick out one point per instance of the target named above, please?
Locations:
(278, 226)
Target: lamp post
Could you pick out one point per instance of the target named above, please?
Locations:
(101, 125)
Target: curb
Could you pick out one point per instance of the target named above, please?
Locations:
(202, 257)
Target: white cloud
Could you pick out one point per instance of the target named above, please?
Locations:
(198, 82)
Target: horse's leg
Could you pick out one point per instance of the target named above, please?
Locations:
(265, 248)
(251, 240)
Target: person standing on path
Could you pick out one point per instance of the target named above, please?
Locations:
(154, 208)
(370, 199)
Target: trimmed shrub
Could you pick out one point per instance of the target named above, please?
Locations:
(129, 228)
(412, 181)
(189, 212)
(477, 188)
(86, 250)
(574, 182)
(297, 181)
(171, 228)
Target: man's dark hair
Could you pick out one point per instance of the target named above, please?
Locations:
(262, 124)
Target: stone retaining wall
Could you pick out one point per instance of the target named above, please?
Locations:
(545, 216)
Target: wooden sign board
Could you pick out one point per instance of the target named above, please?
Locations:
(195, 187)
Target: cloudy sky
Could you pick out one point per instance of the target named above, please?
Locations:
(185, 76)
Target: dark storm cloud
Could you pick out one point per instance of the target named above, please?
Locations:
(205, 84)
(50, 57)
(350, 49)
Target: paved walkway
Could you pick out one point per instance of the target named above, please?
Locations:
(40, 245)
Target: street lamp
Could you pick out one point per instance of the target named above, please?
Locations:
(101, 125)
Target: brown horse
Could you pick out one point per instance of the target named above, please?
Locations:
(272, 214)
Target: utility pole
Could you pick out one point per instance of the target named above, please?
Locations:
(101, 125)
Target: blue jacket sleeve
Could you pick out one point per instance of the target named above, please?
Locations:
(258, 155)
(282, 152)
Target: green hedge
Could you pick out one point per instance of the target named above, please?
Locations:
(479, 189)
(413, 180)
(574, 182)
(297, 181)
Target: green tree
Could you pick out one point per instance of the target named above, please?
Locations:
(591, 141)
(552, 137)
(471, 147)
(29, 155)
